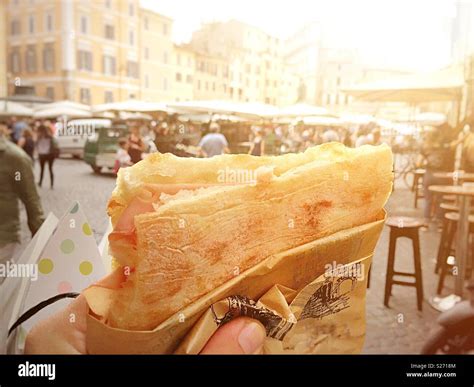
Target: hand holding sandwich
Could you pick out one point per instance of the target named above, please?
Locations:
(65, 332)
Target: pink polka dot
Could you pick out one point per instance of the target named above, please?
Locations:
(64, 287)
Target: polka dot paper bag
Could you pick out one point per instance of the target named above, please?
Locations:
(69, 262)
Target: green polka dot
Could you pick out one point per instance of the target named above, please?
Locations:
(67, 246)
(86, 229)
(85, 268)
(74, 208)
(45, 266)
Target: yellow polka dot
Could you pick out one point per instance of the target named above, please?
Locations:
(45, 266)
(85, 268)
(86, 229)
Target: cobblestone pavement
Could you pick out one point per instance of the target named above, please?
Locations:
(401, 328)
(398, 329)
(75, 181)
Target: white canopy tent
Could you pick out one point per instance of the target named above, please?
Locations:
(442, 85)
(251, 110)
(62, 108)
(301, 110)
(8, 108)
(132, 105)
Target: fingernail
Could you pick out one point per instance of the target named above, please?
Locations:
(251, 337)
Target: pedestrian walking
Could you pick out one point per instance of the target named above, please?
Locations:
(48, 150)
(27, 143)
(258, 144)
(213, 143)
(136, 145)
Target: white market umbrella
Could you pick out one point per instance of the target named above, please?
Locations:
(303, 110)
(357, 119)
(66, 108)
(65, 104)
(135, 116)
(8, 108)
(442, 85)
(55, 112)
(132, 105)
(245, 109)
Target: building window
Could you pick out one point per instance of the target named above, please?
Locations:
(48, 58)
(165, 29)
(225, 88)
(84, 25)
(147, 53)
(108, 96)
(178, 77)
(85, 95)
(165, 83)
(15, 61)
(107, 4)
(274, 83)
(199, 84)
(131, 38)
(132, 69)
(207, 85)
(131, 9)
(189, 78)
(147, 81)
(257, 70)
(178, 59)
(248, 68)
(48, 22)
(16, 27)
(165, 57)
(213, 86)
(109, 32)
(109, 65)
(84, 60)
(31, 24)
(145, 23)
(190, 62)
(30, 59)
(50, 93)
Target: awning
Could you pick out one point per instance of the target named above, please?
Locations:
(301, 110)
(250, 110)
(132, 105)
(62, 108)
(8, 108)
(442, 85)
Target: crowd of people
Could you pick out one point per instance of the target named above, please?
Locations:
(35, 137)
(444, 150)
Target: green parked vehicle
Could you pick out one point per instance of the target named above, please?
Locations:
(102, 145)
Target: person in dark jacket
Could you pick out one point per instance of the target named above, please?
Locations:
(16, 183)
(27, 143)
(47, 151)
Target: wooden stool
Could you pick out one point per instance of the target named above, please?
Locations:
(442, 249)
(418, 185)
(404, 227)
(445, 245)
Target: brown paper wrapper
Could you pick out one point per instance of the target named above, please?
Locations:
(311, 299)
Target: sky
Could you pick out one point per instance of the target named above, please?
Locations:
(408, 34)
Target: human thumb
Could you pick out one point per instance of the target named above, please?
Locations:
(240, 336)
